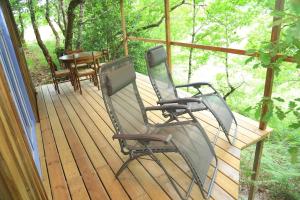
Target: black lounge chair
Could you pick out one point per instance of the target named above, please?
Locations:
(167, 93)
(137, 137)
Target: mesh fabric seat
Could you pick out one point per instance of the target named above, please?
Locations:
(167, 93)
(137, 137)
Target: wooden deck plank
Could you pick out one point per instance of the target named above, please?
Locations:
(86, 169)
(71, 172)
(45, 176)
(76, 141)
(59, 187)
(135, 190)
(149, 184)
(89, 157)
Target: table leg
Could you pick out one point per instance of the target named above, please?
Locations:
(256, 165)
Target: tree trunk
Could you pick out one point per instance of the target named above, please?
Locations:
(232, 88)
(80, 26)
(193, 40)
(71, 16)
(57, 39)
(62, 10)
(21, 29)
(61, 27)
(37, 33)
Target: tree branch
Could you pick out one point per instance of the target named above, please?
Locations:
(153, 25)
(232, 89)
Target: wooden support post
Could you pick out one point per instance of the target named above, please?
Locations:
(125, 41)
(270, 72)
(256, 165)
(168, 34)
(279, 5)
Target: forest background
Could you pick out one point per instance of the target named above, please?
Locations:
(49, 27)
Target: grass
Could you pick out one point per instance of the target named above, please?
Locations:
(35, 58)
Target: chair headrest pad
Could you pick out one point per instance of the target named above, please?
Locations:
(119, 74)
(156, 56)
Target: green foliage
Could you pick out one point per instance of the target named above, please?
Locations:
(277, 172)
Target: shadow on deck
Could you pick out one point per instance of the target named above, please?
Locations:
(79, 158)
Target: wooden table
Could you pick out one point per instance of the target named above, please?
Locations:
(67, 59)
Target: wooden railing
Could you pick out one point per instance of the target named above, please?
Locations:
(206, 47)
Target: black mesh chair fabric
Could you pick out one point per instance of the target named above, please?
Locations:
(128, 114)
(165, 90)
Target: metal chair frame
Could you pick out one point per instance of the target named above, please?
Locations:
(194, 98)
(145, 139)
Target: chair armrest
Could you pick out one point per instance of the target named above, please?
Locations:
(196, 85)
(167, 107)
(144, 137)
(179, 100)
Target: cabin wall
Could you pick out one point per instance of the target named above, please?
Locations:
(17, 168)
(19, 177)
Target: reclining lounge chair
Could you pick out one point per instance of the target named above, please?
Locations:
(137, 137)
(167, 93)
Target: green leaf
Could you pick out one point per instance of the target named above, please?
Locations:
(268, 116)
(295, 125)
(248, 109)
(256, 66)
(280, 114)
(292, 105)
(293, 151)
(257, 112)
(248, 60)
(279, 99)
(265, 58)
(297, 114)
(298, 99)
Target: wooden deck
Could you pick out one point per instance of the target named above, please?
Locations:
(79, 158)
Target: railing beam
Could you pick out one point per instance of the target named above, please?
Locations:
(207, 47)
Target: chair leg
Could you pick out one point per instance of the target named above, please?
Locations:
(79, 85)
(56, 87)
(97, 81)
(75, 84)
(124, 166)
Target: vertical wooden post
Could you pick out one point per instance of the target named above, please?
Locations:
(279, 6)
(168, 34)
(270, 72)
(256, 165)
(125, 41)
